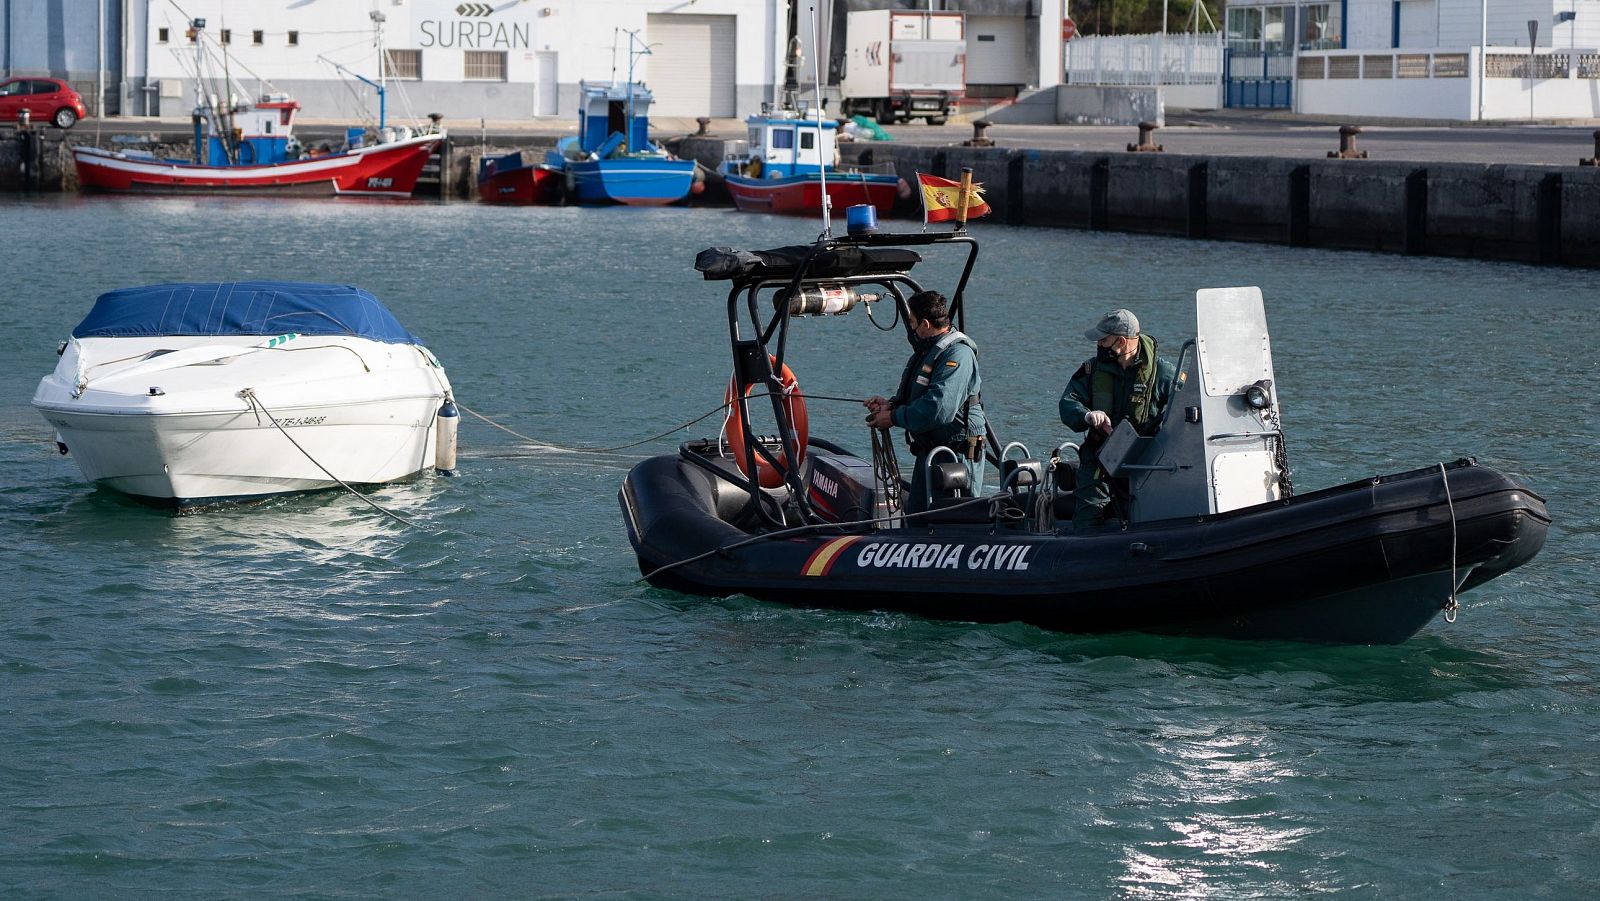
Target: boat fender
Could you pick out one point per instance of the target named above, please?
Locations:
(444, 455)
(733, 429)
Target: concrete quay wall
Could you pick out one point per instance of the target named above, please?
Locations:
(1533, 214)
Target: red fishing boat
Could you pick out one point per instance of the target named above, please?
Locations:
(381, 170)
(250, 147)
(508, 179)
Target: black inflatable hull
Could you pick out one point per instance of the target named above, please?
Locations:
(1370, 562)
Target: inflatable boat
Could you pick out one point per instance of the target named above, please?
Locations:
(1209, 537)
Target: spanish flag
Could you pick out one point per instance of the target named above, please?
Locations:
(941, 199)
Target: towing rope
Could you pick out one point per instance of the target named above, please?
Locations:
(256, 405)
(720, 408)
(1451, 606)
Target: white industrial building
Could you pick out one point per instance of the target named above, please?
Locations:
(496, 59)
(1418, 59)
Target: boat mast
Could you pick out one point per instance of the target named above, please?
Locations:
(633, 55)
(201, 108)
(229, 144)
(791, 60)
(378, 18)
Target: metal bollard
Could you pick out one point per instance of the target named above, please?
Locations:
(1595, 160)
(1347, 144)
(1147, 142)
(705, 126)
(978, 140)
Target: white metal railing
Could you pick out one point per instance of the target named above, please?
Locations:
(1499, 63)
(1145, 59)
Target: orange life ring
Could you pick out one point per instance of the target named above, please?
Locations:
(768, 476)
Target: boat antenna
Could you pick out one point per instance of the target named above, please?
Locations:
(822, 165)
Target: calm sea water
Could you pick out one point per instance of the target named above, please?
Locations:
(303, 698)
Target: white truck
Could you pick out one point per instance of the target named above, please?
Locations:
(901, 64)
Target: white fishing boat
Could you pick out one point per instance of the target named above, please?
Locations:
(192, 394)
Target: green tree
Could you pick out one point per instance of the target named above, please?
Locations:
(1135, 16)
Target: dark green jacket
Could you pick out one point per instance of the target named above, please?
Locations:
(936, 384)
(1123, 385)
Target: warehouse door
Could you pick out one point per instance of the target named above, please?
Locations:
(997, 50)
(690, 65)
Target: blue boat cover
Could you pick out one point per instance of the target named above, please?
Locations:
(242, 308)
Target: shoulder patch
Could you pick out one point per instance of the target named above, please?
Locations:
(952, 364)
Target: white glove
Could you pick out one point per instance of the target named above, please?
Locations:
(1097, 419)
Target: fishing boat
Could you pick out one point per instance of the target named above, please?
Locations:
(249, 147)
(790, 164)
(185, 395)
(1209, 539)
(511, 179)
(611, 159)
(792, 157)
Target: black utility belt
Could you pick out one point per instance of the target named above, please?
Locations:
(968, 448)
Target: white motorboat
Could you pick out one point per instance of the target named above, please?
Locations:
(193, 394)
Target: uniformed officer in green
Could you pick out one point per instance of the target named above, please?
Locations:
(938, 403)
(1124, 380)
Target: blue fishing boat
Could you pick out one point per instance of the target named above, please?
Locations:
(790, 165)
(792, 158)
(611, 159)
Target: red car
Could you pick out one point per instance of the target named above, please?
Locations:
(46, 100)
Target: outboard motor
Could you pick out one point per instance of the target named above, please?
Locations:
(842, 489)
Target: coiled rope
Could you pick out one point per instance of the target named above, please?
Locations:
(886, 468)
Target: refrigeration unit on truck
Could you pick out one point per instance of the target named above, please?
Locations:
(901, 64)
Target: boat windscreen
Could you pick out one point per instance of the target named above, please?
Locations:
(242, 308)
(725, 263)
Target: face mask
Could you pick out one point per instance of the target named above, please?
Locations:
(1106, 354)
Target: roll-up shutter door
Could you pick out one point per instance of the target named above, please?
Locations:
(997, 50)
(691, 65)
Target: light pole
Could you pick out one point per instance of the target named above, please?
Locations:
(1483, 56)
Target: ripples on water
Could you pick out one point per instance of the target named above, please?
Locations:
(302, 697)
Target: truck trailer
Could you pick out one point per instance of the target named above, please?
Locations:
(902, 64)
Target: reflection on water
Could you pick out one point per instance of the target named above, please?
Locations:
(304, 666)
(1213, 796)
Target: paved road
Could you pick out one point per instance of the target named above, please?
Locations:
(1225, 133)
(1233, 136)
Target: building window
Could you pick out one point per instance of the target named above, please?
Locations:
(294, 39)
(486, 65)
(405, 64)
(1244, 29)
(258, 38)
(1320, 27)
(162, 35)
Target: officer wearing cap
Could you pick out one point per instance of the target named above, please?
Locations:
(1124, 380)
(938, 403)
